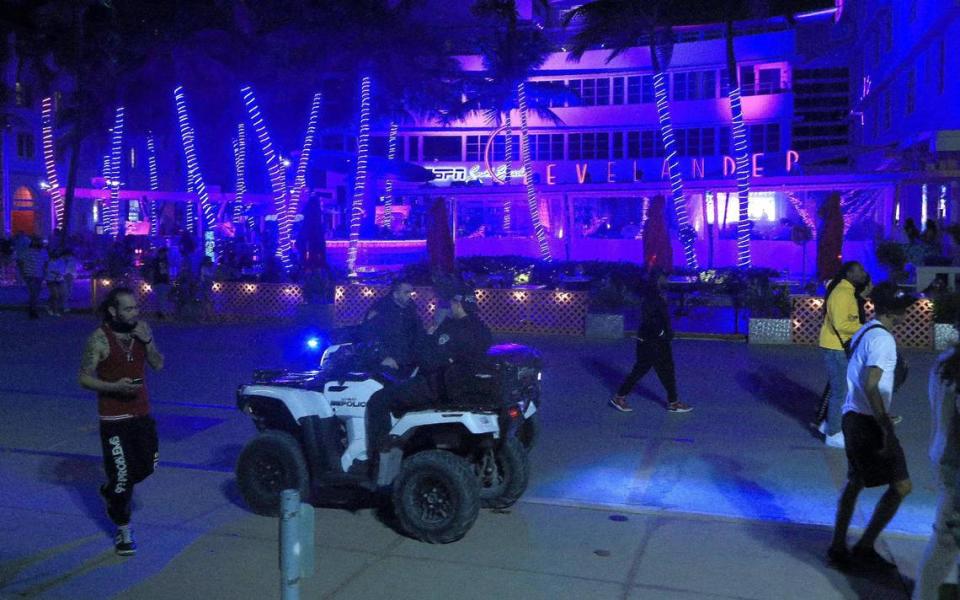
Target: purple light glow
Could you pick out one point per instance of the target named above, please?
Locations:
(112, 211)
(741, 153)
(388, 184)
(154, 183)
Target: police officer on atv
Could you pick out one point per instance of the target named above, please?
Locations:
(448, 359)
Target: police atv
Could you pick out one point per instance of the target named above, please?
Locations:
(444, 461)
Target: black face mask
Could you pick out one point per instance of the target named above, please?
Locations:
(119, 327)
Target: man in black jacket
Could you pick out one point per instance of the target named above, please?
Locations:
(653, 347)
(448, 358)
(395, 326)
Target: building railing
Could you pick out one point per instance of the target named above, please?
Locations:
(504, 310)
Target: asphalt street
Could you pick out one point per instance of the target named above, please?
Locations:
(733, 500)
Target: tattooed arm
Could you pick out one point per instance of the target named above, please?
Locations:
(96, 350)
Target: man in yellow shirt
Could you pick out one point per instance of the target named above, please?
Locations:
(840, 321)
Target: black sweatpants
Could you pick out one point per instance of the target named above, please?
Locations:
(130, 455)
(659, 355)
(398, 397)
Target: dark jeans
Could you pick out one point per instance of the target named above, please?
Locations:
(659, 355)
(395, 397)
(130, 455)
(34, 285)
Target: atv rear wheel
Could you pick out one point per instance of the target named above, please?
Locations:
(436, 496)
(503, 474)
(270, 463)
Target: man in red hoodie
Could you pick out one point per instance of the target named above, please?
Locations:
(114, 366)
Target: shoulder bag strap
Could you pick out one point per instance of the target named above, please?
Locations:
(854, 345)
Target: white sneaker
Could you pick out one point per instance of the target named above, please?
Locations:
(822, 428)
(835, 440)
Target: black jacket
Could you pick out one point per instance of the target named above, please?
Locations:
(455, 352)
(654, 318)
(396, 330)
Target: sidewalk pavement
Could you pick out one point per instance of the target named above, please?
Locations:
(733, 500)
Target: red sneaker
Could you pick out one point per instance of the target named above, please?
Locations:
(620, 403)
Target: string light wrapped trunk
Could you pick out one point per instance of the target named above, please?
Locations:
(300, 180)
(194, 174)
(528, 176)
(360, 181)
(154, 184)
(50, 162)
(112, 212)
(278, 183)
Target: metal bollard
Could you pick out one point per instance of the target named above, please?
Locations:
(297, 525)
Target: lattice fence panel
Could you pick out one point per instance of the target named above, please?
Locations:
(525, 311)
(914, 331)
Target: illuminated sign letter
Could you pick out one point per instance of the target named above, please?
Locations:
(611, 176)
(793, 157)
(729, 165)
(757, 169)
(665, 170)
(551, 178)
(696, 168)
(581, 173)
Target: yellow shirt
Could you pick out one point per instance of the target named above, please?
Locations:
(842, 316)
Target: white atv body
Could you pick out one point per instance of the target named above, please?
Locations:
(313, 438)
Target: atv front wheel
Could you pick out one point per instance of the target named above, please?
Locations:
(436, 497)
(270, 463)
(503, 474)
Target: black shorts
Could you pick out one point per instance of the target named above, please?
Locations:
(863, 439)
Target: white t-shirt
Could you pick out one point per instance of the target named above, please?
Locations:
(877, 348)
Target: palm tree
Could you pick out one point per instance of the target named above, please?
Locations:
(623, 24)
(511, 53)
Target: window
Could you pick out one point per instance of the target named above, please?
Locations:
(617, 145)
(547, 146)
(411, 147)
(647, 96)
(764, 137)
(680, 139)
(680, 91)
(747, 81)
(724, 83)
(25, 147)
(634, 90)
(708, 142)
(441, 147)
(589, 92)
(603, 92)
(618, 90)
(708, 84)
(588, 146)
(475, 145)
(651, 144)
(693, 142)
(576, 88)
(723, 141)
(769, 81)
(633, 144)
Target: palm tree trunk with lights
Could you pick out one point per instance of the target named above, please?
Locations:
(508, 156)
(686, 232)
(388, 184)
(360, 181)
(741, 150)
(528, 176)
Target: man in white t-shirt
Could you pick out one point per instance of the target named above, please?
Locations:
(874, 454)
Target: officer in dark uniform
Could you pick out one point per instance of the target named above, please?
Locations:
(448, 359)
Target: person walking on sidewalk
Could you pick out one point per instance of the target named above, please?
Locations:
(34, 266)
(941, 553)
(654, 337)
(841, 320)
(114, 366)
(874, 454)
